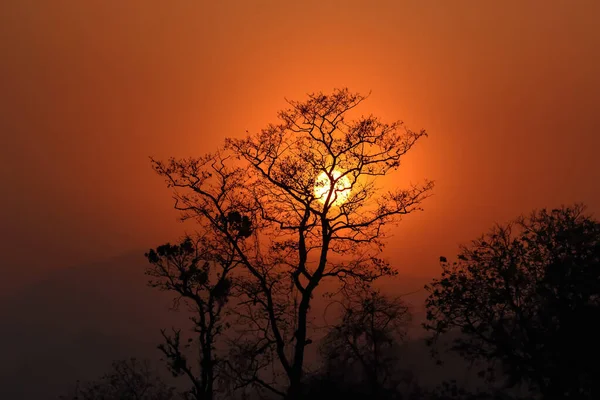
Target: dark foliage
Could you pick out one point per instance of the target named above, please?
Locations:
(198, 273)
(527, 296)
(450, 390)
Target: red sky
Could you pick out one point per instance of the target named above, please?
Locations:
(509, 92)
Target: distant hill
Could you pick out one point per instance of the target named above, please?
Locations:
(71, 324)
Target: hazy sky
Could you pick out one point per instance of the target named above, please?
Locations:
(508, 90)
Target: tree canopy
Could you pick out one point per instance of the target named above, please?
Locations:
(527, 294)
(198, 272)
(287, 200)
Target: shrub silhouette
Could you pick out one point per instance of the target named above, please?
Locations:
(128, 380)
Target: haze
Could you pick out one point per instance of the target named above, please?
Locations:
(508, 91)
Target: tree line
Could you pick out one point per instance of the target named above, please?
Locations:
(296, 212)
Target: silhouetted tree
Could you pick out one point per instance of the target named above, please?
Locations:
(304, 190)
(528, 295)
(128, 380)
(364, 346)
(198, 272)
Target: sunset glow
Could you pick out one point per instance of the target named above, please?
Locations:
(323, 186)
(273, 167)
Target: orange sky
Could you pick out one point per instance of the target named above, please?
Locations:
(509, 92)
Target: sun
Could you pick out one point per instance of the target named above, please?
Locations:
(323, 185)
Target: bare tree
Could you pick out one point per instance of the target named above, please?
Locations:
(198, 272)
(365, 344)
(307, 187)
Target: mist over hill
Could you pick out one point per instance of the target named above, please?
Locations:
(74, 322)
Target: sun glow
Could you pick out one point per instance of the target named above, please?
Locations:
(341, 189)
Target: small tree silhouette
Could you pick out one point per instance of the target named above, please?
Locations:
(307, 187)
(528, 295)
(365, 344)
(198, 272)
(128, 380)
